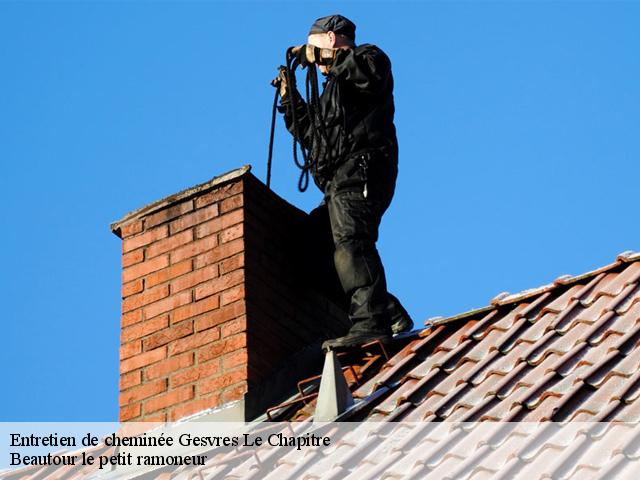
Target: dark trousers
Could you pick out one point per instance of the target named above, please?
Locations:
(352, 219)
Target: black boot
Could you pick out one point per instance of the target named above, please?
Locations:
(353, 340)
(400, 319)
(360, 334)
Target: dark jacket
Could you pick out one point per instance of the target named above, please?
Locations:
(357, 108)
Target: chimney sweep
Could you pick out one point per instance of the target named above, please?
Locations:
(348, 142)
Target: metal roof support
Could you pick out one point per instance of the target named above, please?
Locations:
(334, 396)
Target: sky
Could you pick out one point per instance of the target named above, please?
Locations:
(519, 141)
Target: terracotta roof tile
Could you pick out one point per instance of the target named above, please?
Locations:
(458, 337)
(627, 320)
(592, 312)
(632, 390)
(425, 367)
(541, 467)
(506, 322)
(621, 279)
(563, 301)
(600, 397)
(479, 350)
(481, 369)
(398, 396)
(535, 329)
(457, 413)
(632, 299)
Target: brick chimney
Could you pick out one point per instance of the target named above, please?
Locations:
(220, 303)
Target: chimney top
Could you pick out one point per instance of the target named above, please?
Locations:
(169, 200)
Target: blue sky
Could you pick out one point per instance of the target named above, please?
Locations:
(519, 143)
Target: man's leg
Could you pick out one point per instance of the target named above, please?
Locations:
(322, 264)
(320, 242)
(354, 222)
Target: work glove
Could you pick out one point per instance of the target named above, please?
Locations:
(309, 54)
(280, 82)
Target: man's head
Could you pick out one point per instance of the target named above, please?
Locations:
(334, 31)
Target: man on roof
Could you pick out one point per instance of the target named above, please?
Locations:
(355, 165)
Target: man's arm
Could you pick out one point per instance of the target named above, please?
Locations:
(367, 69)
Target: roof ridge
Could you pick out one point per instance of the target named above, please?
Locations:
(506, 298)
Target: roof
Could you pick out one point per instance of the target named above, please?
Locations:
(442, 450)
(565, 352)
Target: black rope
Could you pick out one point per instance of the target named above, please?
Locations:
(305, 166)
(271, 135)
(314, 115)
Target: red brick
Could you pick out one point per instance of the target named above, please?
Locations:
(231, 203)
(198, 276)
(194, 341)
(219, 284)
(232, 263)
(222, 381)
(132, 258)
(168, 214)
(150, 295)
(142, 360)
(234, 326)
(170, 303)
(141, 269)
(219, 316)
(168, 399)
(168, 273)
(145, 390)
(145, 238)
(159, 417)
(234, 393)
(219, 223)
(193, 309)
(219, 194)
(196, 373)
(169, 243)
(223, 347)
(194, 218)
(143, 329)
(231, 295)
(194, 248)
(171, 364)
(130, 349)
(220, 252)
(131, 288)
(129, 412)
(130, 228)
(130, 379)
(195, 406)
(167, 335)
(131, 318)
(231, 233)
(239, 357)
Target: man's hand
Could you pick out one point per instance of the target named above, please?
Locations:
(309, 54)
(300, 52)
(280, 81)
